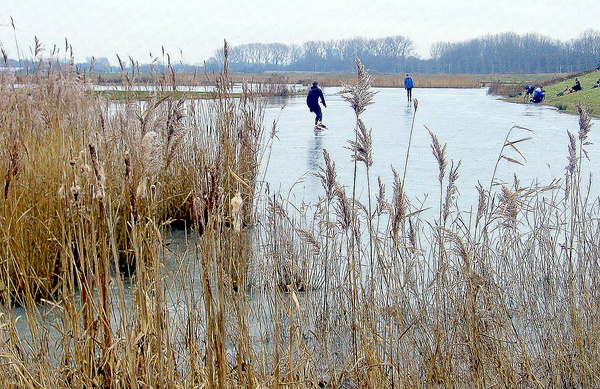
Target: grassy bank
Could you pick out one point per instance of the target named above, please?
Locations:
(278, 83)
(262, 292)
(590, 97)
(148, 95)
(557, 94)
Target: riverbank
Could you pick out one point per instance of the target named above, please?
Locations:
(502, 83)
(278, 83)
(271, 84)
(422, 80)
(440, 80)
(557, 93)
(383, 80)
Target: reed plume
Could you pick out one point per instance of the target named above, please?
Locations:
(14, 161)
(363, 145)
(584, 122)
(481, 203)
(439, 152)
(573, 159)
(236, 207)
(328, 176)
(399, 205)
(152, 159)
(451, 191)
(508, 206)
(359, 95)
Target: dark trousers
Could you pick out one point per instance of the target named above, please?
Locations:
(318, 114)
(409, 93)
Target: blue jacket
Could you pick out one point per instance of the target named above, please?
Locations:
(538, 95)
(312, 99)
(408, 82)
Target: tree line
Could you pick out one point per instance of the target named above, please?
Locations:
(499, 53)
(333, 55)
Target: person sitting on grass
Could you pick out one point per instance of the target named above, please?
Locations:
(572, 89)
(597, 84)
(538, 95)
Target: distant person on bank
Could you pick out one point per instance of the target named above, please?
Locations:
(574, 88)
(408, 85)
(529, 90)
(312, 100)
(538, 95)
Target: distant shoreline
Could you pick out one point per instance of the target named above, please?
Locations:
(508, 86)
(422, 80)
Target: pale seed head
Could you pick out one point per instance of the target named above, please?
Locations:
(75, 191)
(236, 203)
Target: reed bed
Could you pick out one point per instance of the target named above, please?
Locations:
(259, 292)
(438, 80)
(380, 80)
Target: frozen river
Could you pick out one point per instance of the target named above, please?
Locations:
(471, 123)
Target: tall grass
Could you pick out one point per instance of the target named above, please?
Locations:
(261, 292)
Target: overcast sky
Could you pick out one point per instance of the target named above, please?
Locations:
(192, 30)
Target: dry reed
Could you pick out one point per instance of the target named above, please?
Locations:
(261, 292)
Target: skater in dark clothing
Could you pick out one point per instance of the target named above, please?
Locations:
(408, 85)
(312, 100)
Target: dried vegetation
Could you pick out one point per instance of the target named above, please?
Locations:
(262, 292)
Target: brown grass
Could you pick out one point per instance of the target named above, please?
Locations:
(379, 80)
(262, 292)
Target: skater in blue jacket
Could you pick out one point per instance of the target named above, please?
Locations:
(408, 85)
